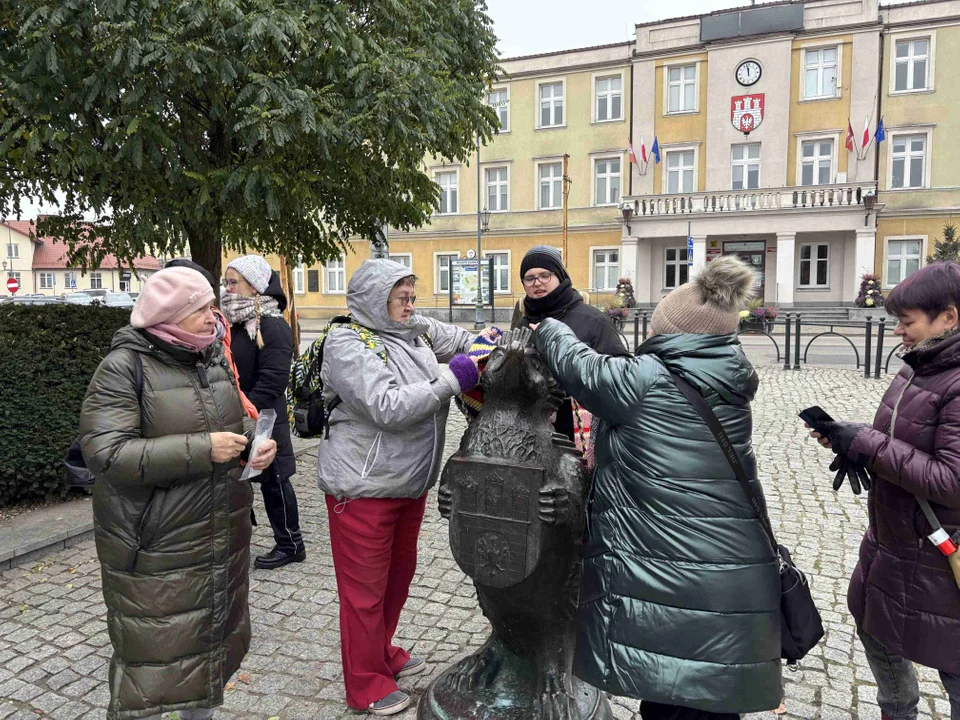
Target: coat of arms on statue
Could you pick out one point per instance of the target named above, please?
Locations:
(746, 112)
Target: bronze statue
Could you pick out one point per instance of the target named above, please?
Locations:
(514, 494)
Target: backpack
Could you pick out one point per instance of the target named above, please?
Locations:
(78, 475)
(309, 416)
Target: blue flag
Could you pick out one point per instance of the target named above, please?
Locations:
(880, 134)
(655, 150)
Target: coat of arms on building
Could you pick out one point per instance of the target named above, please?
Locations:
(494, 524)
(746, 112)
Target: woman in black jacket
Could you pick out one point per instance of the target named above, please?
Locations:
(550, 294)
(262, 345)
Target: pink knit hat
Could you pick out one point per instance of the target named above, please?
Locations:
(169, 296)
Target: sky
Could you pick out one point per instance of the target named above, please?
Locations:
(528, 27)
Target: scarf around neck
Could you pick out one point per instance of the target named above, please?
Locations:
(554, 305)
(928, 344)
(178, 337)
(248, 310)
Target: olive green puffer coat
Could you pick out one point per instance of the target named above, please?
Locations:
(172, 528)
(679, 602)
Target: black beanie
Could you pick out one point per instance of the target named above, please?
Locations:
(546, 257)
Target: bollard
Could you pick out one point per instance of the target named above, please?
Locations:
(796, 340)
(636, 330)
(786, 341)
(868, 340)
(880, 330)
(643, 326)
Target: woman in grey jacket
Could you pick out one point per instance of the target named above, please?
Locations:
(379, 461)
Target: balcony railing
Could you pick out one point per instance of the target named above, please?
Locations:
(791, 198)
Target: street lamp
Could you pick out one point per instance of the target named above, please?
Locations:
(869, 203)
(626, 211)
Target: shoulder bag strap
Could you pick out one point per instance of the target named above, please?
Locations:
(710, 418)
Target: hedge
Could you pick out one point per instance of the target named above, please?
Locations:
(48, 354)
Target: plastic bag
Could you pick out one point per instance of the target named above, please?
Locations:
(264, 431)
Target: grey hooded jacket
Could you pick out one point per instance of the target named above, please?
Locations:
(387, 433)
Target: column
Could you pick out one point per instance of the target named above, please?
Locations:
(628, 258)
(864, 256)
(642, 289)
(786, 255)
(699, 253)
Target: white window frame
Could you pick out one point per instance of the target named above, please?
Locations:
(746, 163)
(98, 278)
(931, 37)
(504, 128)
(886, 254)
(14, 274)
(814, 259)
(509, 289)
(604, 157)
(927, 132)
(593, 265)
(839, 73)
(696, 87)
(342, 269)
(48, 280)
(486, 186)
(436, 270)
(595, 81)
(299, 279)
(678, 263)
(818, 137)
(70, 280)
(13, 250)
(665, 173)
(536, 182)
(562, 81)
(455, 171)
(407, 255)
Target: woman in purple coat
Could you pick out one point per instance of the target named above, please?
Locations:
(903, 594)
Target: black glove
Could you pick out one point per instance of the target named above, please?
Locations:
(840, 434)
(856, 474)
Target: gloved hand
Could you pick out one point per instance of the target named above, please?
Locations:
(857, 475)
(840, 434)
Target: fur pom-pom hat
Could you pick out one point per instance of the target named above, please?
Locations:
(710, 304)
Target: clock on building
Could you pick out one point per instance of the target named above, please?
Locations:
(748, 72)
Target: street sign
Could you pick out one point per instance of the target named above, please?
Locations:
(12, 285)
(689, 251)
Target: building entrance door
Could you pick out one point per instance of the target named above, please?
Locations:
(753, 253)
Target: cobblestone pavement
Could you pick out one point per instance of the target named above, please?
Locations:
(54, 648)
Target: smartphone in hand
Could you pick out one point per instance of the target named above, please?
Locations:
(815, 416)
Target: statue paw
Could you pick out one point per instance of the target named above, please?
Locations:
(553, 506)
(445, 501)
(475, 672)
(553, 702)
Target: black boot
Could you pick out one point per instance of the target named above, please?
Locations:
(278, 558)
(281, 505)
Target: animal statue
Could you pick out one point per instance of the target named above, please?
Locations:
(515, 495)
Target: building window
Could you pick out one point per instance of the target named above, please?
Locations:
(903, 258)
(816, 158)
(909, 152)
(406, 260)
(609, 98)
(70, 280)
(606, 269)
(335, 276)
(820, 73)
(745, 162)
(682, 89)
(448, 192)
(501, 272)
(443, 272)
(48, 281)
(551, 105)
(607, 173)
(96, 281)
(814, 265)
(13, 250)
(313, 281)
(910, 65)
(14, 275)
(497, 190)
(675, 268)
(499, 100)
(298, 287)
(680, 167)
(551, 185)
(125, 286)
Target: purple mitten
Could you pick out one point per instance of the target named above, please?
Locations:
(465, 371)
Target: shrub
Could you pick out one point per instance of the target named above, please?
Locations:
(870, 294)
(49, 354)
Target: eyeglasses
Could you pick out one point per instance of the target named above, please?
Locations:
(229, 283)
(405, 300)
(543, 278)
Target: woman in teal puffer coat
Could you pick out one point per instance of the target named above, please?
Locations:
(679, 602)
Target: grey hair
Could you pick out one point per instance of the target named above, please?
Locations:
(410, 280)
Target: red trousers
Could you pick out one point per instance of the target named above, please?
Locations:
(374, 545)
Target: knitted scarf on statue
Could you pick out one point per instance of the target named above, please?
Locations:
(248, 310)
(471, 402)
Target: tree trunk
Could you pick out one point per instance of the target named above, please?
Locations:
(206, 249)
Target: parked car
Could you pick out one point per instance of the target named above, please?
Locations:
(78, 298)
(118, 300)
(36, 300)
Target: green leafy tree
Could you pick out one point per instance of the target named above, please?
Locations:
(948, 248)
(275, 125)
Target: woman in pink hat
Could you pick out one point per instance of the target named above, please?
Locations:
(163, 431)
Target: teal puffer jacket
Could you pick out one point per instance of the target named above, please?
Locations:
(679, 601)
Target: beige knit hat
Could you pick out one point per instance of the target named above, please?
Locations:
(710, 304)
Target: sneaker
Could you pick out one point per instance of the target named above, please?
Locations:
(395, 702)
(413, 666)
(277, 558)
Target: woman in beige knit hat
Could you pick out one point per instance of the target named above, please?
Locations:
(680, 596)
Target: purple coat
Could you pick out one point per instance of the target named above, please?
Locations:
(902, 591)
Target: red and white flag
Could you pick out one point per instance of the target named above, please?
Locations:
(632, 154)
(851, 143)
(866, 135)
(643, 150)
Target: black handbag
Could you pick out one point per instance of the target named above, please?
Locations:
(801, 627)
